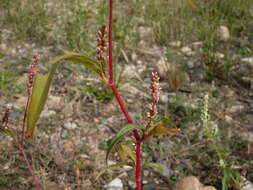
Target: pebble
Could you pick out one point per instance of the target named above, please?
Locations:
(127, 168)
(245, 184)
(115, 184)
(191, 183)
(132, 184)
(162, 68)
(247, 60)
(47, 113)
(236, 108)
(64, 134)
(175, 44)
(187, 51)
(196, 45)
(164, 98)
(70, 125)
(219, 55)
(223, 33)
(190, 64)
(134, 56)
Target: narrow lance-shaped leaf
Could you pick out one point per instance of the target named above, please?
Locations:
(7, 131)
(81, 59)
(161, 129)
(125, 152)
(119, 136)
(42, 83)
(111, 167)
(155, 166)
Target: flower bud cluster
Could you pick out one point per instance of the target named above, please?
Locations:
(101, 45)
(155, 92)
(31, 73)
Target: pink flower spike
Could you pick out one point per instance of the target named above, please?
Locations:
(155, 92)
(31, 73)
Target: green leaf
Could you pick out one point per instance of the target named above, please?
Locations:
(154, 166)
(226, 178)
(38, 99)
(125, 152)
(89, 63)
(161, 129)
(111, 167)
(42, 83)
(7, 131)
(119, 135)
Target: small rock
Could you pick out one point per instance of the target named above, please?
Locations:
(132, 184)
(115, 184)
(162, 68)
(144, 182)
(70, 125)
(188, 183)
(144, 32)
(196, 45)
(245, 184)
(219, 55)
(175, 44)
(187, 51)
(3, 46)
(47, 113)
(247, 136)
(164, 98)
(247, 60)
(127, 168)
(133, 56)
(208, 188)
(191, 183)
(145, 173)
(64, 134)
(190, 64)
(236, 108)
(223, 33)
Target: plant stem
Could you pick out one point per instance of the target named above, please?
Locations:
(138, 179)
(24, 122)
(34, 179)
(137, 137)
(20, 143)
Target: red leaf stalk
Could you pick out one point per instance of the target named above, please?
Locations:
(122, 105)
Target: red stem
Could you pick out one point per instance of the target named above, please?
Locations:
(24, 121)
(138, 179)
(138, 140)
(20, 143)
(34, 179)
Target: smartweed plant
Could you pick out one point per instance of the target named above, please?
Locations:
(38, 88)
(213, 134)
